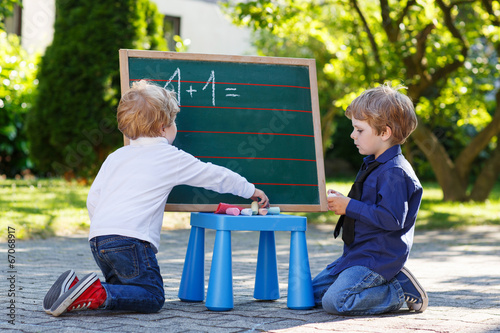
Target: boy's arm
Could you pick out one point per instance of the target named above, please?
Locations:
(393, 204)
(193, 172)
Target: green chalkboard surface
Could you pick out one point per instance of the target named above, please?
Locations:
(257, 116)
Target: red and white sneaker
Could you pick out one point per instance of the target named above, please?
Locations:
(88, 293)
(65, 282)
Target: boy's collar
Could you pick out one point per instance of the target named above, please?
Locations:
(145, 141)
(385, 156)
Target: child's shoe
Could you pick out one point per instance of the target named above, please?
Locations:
(88, 293)
(66, 281)
(415, 296)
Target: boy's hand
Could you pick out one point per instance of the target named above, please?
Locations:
(337, 202)
(259, 194)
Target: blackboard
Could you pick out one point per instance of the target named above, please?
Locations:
(258, 116)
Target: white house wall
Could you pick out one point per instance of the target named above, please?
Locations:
(37, 28)
(205, 26)
(202, 23)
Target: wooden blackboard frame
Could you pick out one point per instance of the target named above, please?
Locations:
(126, 54)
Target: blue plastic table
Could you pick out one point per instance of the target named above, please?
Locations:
(220, 285)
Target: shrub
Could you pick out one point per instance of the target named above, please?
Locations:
(17, 88)
(72, 126)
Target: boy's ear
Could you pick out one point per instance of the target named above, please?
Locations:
(386, 134)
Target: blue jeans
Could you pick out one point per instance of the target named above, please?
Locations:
(356, 291)
(133, 279)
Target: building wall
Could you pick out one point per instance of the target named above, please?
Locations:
(203, 25)
(37, 25)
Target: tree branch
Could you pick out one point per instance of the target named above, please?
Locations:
(368, 31)
(421, 42)
(404, 12)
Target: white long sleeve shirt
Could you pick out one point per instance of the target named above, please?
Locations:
(129, 193)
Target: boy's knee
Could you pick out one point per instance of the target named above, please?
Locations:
(331, 306)
(155, 305)
(160, 301)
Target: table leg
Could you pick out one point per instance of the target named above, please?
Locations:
(300, 293)
(192, 287)
(220, 284)
(266, 275)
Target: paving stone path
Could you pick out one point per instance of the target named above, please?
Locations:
(460, 270)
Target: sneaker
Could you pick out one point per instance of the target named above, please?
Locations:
(88, 293)
(415, 296)
(66, 281)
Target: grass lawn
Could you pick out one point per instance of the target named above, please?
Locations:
(49, 207)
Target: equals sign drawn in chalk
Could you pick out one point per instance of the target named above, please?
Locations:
(231, 95)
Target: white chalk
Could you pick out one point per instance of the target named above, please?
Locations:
(273, 210)
(255, 207)
(247, 212)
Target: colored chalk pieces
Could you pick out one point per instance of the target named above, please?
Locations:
(255, 207)
(223, 207)
(228, 209)
(247, 212)
(233, 211)
(273, 210)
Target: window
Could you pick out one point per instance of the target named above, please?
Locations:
(13, 23)
(171, 27)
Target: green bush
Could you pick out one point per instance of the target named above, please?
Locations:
(17, 88)
(72, 126)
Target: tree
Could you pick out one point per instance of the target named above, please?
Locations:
(72, 126)
(445, 52)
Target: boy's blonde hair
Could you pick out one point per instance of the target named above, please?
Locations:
(385, 106)
(145, 109)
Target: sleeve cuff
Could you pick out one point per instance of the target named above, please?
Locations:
(250, 190)
(354, 208)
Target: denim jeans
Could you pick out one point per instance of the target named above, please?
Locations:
(133, 279)
(356, 291)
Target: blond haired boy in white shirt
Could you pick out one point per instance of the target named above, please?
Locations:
(126, 204)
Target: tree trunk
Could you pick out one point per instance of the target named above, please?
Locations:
(487, 178)
(454, 188)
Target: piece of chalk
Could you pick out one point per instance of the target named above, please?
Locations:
(332, 194)
(262, 211)
(255, 207)
(233, 211)
(273, 210)
(247, 212)
(222, 207)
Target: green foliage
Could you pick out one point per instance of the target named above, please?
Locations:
(17, 89)
(446, 54)
(72, 126)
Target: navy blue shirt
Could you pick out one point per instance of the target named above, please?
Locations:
(384, 217)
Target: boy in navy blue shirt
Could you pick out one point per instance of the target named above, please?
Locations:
(378, 216)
